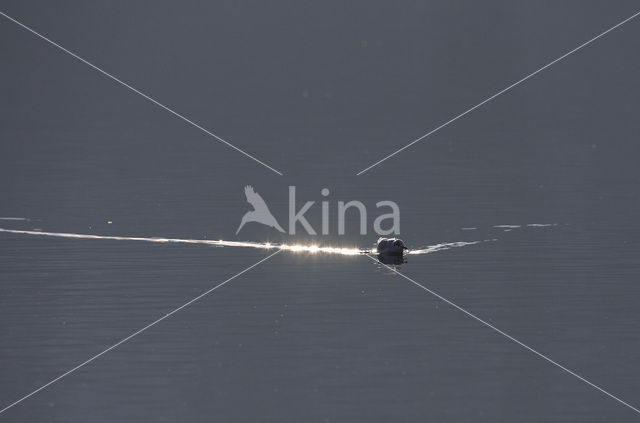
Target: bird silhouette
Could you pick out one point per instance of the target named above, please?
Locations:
(260, 212)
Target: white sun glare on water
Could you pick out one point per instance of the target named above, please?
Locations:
(308, 248)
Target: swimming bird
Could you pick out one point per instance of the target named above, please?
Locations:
(260, 212)
(391, 246)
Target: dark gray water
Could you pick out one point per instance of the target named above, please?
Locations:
(320, 92)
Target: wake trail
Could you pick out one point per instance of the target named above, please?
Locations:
(446, 246)
(246, 244)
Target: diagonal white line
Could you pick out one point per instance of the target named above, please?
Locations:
(135, 333)
(173, 112)
(498, 93)
(503, 333)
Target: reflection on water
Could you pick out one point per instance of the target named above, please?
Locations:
(392, 259)
(217, 243)
(265, 246)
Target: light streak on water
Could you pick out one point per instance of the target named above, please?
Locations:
(218, 243)
(264, 246)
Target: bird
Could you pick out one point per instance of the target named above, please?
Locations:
(393, 246)
(260, 212)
